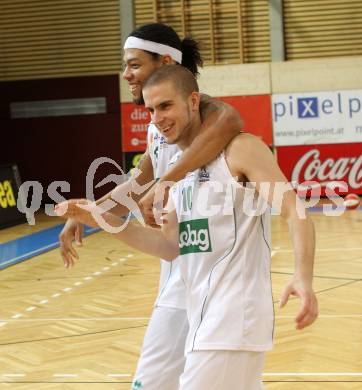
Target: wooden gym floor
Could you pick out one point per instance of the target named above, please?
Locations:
(82, 328)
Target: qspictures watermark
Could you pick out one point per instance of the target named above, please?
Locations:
(256, 200)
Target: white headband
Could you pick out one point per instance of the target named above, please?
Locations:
(153, 47)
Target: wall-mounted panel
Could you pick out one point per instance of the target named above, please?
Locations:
(45, 38)
(316, 29)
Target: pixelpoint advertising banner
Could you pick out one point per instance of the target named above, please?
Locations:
(317, 118)
(328, 165)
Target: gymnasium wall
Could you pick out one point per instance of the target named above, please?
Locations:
(62, 147)
(59, 50)
(47, 39)
(327, 74)
(266, 79)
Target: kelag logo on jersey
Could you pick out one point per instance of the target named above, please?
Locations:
(308, 107)
(194, 236)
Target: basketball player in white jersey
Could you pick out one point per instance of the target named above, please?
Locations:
(220, 228)
(146, 49)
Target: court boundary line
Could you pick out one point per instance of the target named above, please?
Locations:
(320, 316)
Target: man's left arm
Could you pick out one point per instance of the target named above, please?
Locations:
(254, 160)
(303, 239)
(220, 124)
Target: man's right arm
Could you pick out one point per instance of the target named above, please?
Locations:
(73, 230)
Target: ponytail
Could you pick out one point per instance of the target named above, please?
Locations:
(191, 56)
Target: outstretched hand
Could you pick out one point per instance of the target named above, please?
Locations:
(79, 210)
(308, 311)
(72, 231)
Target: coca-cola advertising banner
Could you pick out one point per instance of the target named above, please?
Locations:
(255, 111)
(328, 165)
(317, 118)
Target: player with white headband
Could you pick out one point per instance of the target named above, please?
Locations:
(146, 49)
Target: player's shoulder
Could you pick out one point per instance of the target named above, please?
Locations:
(244, 143)
(246, 152)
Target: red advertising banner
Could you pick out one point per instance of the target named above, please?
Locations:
(255, 111)
(134, 121)
(326, 164)
(257, 114)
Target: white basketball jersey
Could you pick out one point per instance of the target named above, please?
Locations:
(171, 289)
(225, 261)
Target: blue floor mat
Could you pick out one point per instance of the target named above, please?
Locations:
(26, 247)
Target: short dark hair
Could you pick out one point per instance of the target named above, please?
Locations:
(183, 80)
(162, 33)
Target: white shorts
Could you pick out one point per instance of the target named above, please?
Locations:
(222, 370)
(162, 357)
